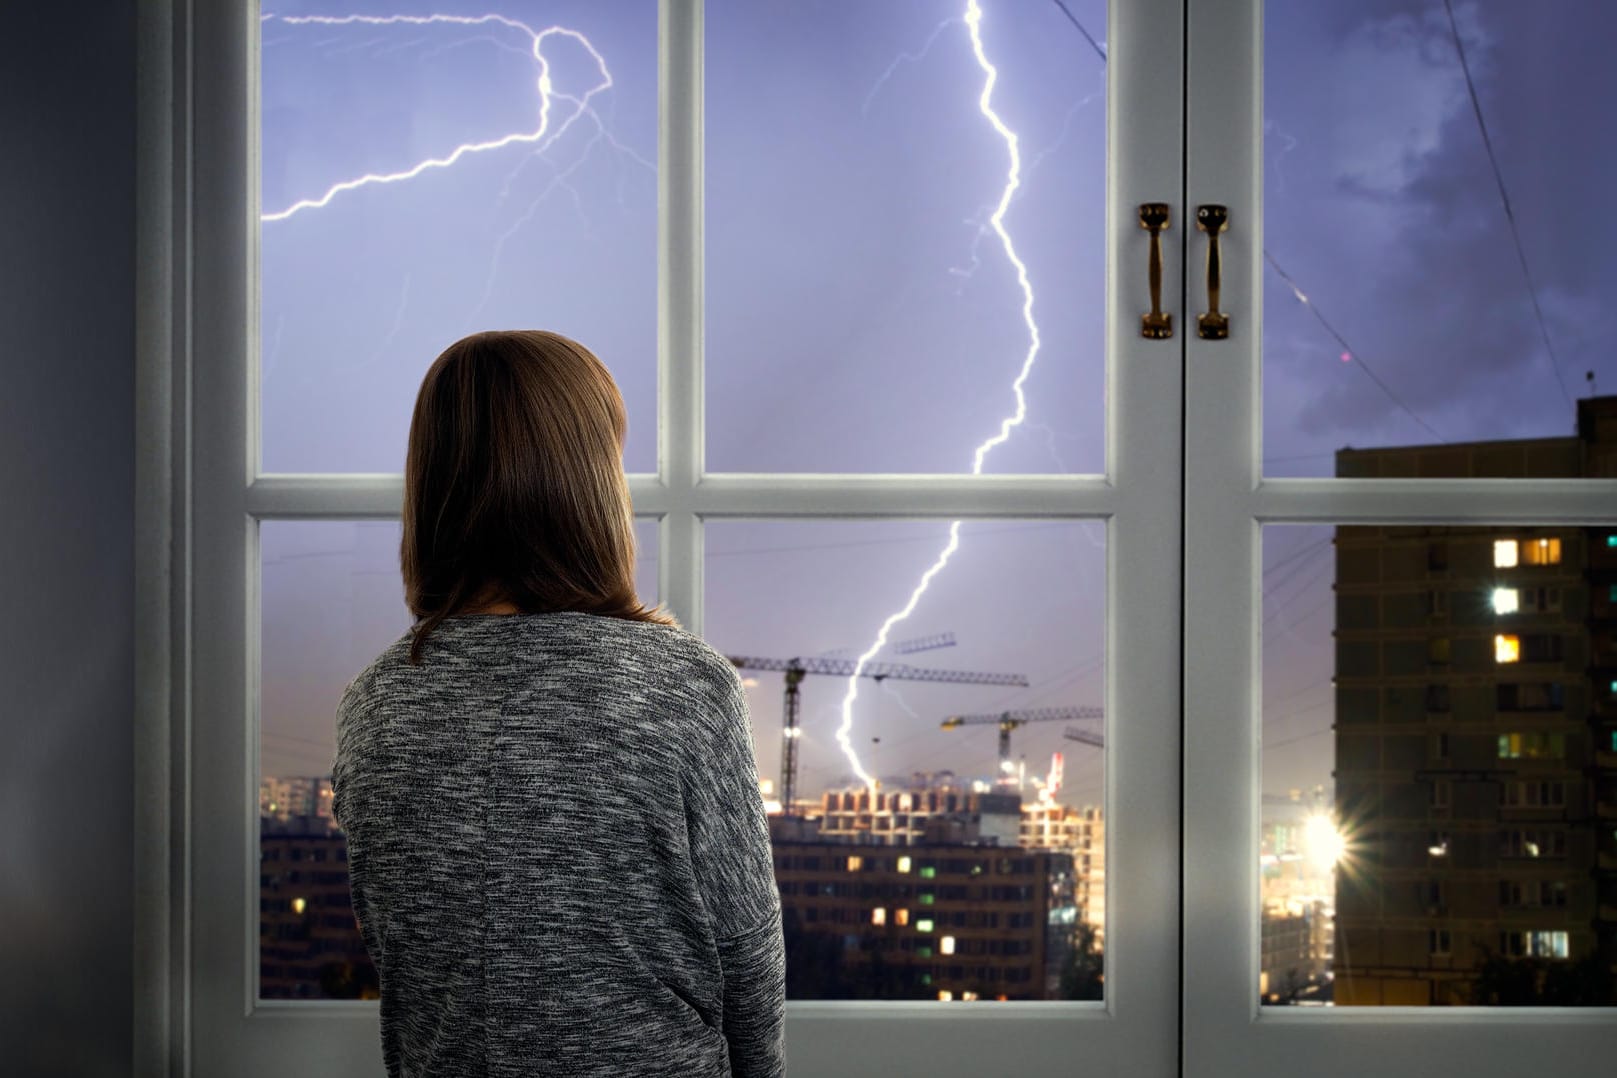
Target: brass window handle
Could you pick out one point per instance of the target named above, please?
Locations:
(1210, 324)
(1157, 324)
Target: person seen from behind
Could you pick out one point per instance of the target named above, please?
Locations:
(558, 851)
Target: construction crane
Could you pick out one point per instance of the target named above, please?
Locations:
(1010, 720)
(797, 668)
(902, 647)
(1086, 736)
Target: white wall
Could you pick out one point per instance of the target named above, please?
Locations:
(67, 189)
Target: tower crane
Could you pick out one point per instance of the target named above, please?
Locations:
(1010, 720)
(796, 669)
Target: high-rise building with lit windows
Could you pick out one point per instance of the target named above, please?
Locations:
(1476, 738)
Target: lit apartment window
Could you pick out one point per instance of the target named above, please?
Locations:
(1534, 944)
(926, 898)
(903, 864)
(1507, 648)
(1611, 541)
(855, 863)
(924, 924)
(902, 917)
(1542, 552)
(878, 916)
(1506, 600)
(1504, 553)
(1438, 941)
(947, 944)
(945, 995)
(1532, 746)
(929, 872)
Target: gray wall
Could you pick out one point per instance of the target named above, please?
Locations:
(67, 228)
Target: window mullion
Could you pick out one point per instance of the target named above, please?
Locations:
(680, 433)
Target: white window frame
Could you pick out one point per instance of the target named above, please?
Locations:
(1228, 501)
(203, 498)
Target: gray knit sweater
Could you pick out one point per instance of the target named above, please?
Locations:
(559, 855)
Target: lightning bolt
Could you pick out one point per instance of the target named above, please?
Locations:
(540, 138)
(1013, 181)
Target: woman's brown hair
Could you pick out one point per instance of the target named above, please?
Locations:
(514, 487)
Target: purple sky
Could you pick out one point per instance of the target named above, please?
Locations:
(859, 317)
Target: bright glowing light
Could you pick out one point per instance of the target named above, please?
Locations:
(924, 925)
(1507, 648)
(903, 864)
(1013, 181)
(1325, 843)
(1504, 553)
(540, 137)
(1506, 601)
(878, 916)
(946, 945)
(299, 905)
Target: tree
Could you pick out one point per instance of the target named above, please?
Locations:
(1083, 967)
(1543, 982)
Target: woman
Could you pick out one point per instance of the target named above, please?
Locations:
(558, 851)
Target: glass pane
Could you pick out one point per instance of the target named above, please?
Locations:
(332, 601)
(1439, 765)
(923, 858)
(425, 176)
(1405, 301)
(882, 269)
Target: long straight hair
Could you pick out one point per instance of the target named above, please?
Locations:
(514, 487)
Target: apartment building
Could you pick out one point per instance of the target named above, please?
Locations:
(1476, 733)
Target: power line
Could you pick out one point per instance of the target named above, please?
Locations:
(1087, 36)
(1347, 349)
(1504, 198)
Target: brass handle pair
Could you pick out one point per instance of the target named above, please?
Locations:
(1157, 324)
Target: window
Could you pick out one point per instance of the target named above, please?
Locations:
(1438, 798)
(1542, 648)
(1542, 552)
(1504, 553)
(1437, 698)
(1218, 778)
(1437, 650)
(1533, 894)
(1438, 941)
(1440, 746)
(1534, 745)
(1506, 648)
(1532, 843)
(1529, 696)
(878, 916)
(1506, 600)
(855, 863)
(1552, 944)
(1528, 793)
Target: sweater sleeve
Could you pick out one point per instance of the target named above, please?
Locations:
(734, 867)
